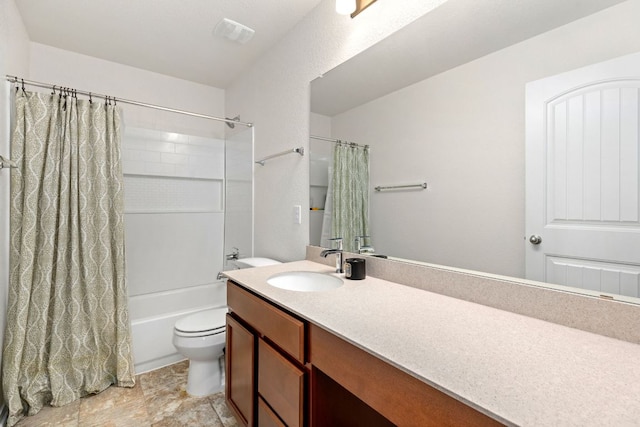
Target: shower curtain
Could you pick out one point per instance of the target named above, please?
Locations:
(67, 320)
(350, 193)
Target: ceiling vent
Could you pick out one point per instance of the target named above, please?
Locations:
(233, 31)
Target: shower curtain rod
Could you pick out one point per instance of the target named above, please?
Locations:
(15, 79)
(337, 141)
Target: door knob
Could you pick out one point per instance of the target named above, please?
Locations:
(535, 239)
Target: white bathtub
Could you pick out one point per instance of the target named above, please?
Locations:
(153, 316)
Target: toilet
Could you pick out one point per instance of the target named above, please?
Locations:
(201, 338)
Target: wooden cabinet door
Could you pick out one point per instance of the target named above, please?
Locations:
(240, 371)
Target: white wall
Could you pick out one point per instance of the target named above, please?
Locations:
(274, 95)
(14, 40)
(14, 59)
(57, 66)
(463, 132)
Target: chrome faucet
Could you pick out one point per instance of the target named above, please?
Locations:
(337, 252)
(361, 248)
(234, 255)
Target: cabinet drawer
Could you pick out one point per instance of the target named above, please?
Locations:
(281, 384)
(266, 417)
(284, 330)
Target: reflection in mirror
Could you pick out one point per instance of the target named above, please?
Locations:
(447, 104)
(345, 212)
(320, 152)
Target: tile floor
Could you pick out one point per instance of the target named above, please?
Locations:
(159, 399)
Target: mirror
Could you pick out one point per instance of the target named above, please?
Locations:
(442, 101)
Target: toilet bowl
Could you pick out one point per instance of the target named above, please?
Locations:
(201, 338)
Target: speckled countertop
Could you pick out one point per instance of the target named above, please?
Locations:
(519, 370)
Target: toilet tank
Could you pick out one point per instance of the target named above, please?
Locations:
(255, 262)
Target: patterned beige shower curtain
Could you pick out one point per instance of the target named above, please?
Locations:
(68, 331)
(350, 193)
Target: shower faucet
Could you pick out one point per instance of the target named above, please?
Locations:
(234, 255)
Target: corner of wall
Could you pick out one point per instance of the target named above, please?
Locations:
(15, 41)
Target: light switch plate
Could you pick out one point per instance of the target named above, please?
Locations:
(297, 214)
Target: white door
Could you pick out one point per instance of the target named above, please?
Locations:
(582, 180)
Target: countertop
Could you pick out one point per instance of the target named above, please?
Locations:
(517, 369)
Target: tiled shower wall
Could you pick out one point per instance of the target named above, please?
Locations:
(174, 219)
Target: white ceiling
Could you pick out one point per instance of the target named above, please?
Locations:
(455, 33)
(172, 37)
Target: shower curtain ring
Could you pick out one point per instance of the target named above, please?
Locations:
(53, 90)
(90, 100)
(23, 91)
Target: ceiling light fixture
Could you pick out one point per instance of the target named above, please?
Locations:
(345, 7)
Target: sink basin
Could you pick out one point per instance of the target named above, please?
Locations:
(305, 281)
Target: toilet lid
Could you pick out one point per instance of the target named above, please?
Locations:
(203, 321)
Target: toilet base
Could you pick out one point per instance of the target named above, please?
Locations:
(205, 378)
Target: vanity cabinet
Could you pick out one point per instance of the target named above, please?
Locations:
(284, 371)
(266, 376)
